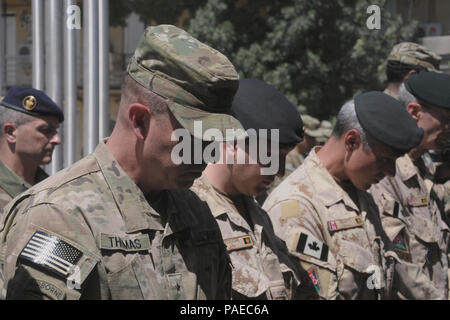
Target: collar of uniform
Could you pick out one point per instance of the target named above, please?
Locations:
(328, 190)
(405, 168)
(135, 210)
(219, 204)
(11, 182)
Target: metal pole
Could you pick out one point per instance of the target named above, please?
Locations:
(70, 90)
(104, 68)
(90, 77)
(2, 48)
(37, 10)
(54, 62)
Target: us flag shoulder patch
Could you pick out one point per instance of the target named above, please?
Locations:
(51, 253)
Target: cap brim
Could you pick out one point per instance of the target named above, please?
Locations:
(228, 126)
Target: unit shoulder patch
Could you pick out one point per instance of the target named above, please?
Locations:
(401, 246)
(290, 209)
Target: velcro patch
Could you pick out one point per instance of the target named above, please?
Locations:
(290, 209)
(312, 247)
(237, 243)
(341, 224)
(51, 253)
(125, 243)
(418, 201)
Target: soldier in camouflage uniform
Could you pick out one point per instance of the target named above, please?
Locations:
(413, 216)
(262, 268)
(405, 59)
(323, 213)
(28, 120)
(316, 133)
(117, 224)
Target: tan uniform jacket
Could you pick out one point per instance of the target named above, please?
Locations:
(341, 245)
(12, 185)
(89, 232)
(260, 259)
(412, 220)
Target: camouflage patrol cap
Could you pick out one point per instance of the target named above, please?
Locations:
(326, 128)
(311, 126)
(414, 54)
(197, 82)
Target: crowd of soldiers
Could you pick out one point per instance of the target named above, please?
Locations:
(356, 210)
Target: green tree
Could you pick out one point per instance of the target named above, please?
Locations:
(318, 53)
(151, 12)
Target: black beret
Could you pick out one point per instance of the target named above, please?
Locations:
(431, 87)
(387, 120)
(31, 101)
(258, 105)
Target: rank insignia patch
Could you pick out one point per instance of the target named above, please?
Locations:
(51, 253)
(312, 247)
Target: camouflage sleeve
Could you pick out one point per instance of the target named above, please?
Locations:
(298, 224)
(410, 280)
(48, 254)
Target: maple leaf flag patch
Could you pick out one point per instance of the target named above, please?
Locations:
(312, 247)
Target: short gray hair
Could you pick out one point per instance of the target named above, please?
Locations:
(405, 97)
(347, 120)
(8, 115)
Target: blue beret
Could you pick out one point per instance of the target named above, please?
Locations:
(31, 101)
(430, 87)
(387, 120)
(258, 105)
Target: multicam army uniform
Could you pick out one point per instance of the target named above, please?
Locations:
(90, 226)
(412, 220)
(260, 259)
(12, 185)
(340, 243)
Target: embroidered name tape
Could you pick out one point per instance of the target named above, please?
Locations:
(341, 224)
(418, 201)
(51, 253)
(237, 243)
(312, 247)
(125, 243)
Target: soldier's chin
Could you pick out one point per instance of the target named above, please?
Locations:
(46, 160)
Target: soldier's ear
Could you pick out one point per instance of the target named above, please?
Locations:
(409, 74)
(10, 132)
(139, 116)
(414, 110)
(352, 139)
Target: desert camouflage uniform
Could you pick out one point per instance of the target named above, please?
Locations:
(412, 220)
(340, 243)
(12, 185)
(260, 259)
(112, 243)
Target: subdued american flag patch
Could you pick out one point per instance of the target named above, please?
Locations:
(51, 253)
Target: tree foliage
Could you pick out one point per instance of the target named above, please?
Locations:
(151, 12)
(318, 53)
